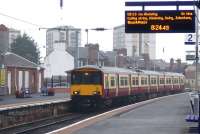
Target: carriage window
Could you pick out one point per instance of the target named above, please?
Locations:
(153, 80)
(125, 81)
(122, 81)
(181, 80)
(112, 81)
(142, 81)
(162, 81)
(145, 81)
(135, 81)
(170, 81)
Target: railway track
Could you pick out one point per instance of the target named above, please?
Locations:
(50, 124)
(45, 125)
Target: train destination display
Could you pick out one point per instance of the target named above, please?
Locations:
(170, 21)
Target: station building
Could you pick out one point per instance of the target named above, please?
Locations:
(17, 73)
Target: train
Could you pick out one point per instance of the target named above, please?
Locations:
(94, 86)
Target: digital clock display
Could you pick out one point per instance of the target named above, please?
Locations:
(170, 21)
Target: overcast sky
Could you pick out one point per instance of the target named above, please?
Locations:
(81, 14)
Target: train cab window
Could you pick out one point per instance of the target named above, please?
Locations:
(86, 78)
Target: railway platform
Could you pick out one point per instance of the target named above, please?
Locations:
(162, 116)
(12, 102)
(23, 110)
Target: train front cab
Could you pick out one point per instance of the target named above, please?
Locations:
(86, 87)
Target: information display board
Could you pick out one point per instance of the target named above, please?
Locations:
(166, 21)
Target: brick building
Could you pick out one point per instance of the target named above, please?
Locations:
(21, 73)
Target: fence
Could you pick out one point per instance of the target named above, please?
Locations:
(57, 81)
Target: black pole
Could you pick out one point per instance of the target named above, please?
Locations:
(52, 81)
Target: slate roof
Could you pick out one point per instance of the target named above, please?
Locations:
(14, 60)
(83, 52)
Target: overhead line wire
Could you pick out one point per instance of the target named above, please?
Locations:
(17, 19)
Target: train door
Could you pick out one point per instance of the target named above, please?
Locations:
(158, 83)
(129, 83)
(106, 85)
(117, 84)
(149, 83)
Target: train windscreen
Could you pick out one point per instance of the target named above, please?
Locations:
(86, 78)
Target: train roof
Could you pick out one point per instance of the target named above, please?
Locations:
(148, 72)
(108, 69)
(161, 73)
(174, 74)
(126, 70)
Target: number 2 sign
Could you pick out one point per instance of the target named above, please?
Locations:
(190, 39)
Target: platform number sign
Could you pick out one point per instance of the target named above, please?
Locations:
(190, 39)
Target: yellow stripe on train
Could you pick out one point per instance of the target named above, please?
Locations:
(86, 89)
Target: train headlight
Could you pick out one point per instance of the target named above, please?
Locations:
(76, 92)
(96, 93)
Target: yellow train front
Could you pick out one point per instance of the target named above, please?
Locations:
(86, 87)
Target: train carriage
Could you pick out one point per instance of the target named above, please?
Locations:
(92, 86)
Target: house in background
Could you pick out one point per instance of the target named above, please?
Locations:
(88, 55)
(58, 61)
(20, 73)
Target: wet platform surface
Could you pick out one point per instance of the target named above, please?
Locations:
(166, 116)
(12, 100)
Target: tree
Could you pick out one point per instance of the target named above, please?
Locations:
(26, 47)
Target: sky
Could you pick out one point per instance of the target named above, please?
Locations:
(84, 14)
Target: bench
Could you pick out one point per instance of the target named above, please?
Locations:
(192, 118)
